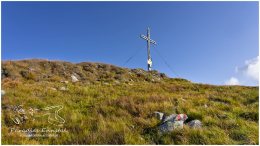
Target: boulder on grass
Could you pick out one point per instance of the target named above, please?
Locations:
(174, 121)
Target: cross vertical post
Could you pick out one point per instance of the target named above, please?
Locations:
(149, 40)
(148, 51)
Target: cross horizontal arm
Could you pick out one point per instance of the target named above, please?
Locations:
(152, 41)
(145, 37)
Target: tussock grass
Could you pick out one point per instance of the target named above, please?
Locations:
(99, 110)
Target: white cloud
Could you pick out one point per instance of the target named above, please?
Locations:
(251, 69)
(248, 74)
(232, 81)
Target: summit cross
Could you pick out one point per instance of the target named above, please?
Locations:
(149, 40)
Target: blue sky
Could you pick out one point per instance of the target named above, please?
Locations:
(206, 42)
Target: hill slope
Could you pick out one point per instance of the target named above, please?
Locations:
(105, 104)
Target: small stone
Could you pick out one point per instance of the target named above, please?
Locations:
(195, 124)
(74, 78)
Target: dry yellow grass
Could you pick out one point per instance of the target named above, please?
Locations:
(111, 105)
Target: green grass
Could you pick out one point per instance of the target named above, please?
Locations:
(121, 113)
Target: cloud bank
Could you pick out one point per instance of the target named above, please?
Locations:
(250, 73)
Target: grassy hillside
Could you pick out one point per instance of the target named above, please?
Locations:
(112, 105)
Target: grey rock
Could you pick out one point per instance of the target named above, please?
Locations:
(74, 78)
(170, 126)
(195, 124)
(174, 121)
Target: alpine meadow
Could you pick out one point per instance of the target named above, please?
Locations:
(112, 105)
